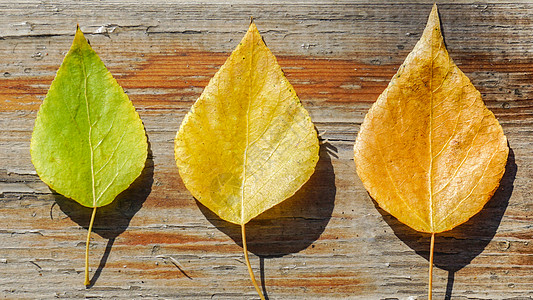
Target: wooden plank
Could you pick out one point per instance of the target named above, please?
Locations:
(330, 240)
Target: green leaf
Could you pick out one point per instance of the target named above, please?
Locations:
(88, 142)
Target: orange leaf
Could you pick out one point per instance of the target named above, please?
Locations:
(429, 151)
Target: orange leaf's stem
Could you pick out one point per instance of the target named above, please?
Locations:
(431, 248)
(87, 280)
(245, 249)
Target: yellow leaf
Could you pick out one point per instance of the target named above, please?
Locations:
(429, 152)
(247, 144)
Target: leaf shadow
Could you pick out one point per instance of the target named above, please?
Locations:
(113, 219)
(456, 248)
(294, 224)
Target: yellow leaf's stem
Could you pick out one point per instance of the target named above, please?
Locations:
(431, 248)
(87, 280)
(245, 249)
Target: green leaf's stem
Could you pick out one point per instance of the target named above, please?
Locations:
(431, 248)
(245, 249)
(87, 281)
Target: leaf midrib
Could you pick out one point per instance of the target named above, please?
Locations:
(245, 154)
(430, 176)
(85, 77)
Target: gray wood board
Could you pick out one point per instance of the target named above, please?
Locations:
(328, 241)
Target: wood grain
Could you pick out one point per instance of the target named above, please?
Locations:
(328, 241)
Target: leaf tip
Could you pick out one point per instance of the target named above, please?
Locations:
(79, 33)
(252, 27)
(434, 15)
(78, 30)
(433, 23)
(434, 10)
(79, 37)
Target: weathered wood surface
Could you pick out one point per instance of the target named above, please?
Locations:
(329, 241)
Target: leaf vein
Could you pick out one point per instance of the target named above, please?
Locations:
(282, 164)
(112, 153)
(107, 133)
(91, 150)
(462, 161)
(110, 183)
(454, 129)
(396, 188)
(471, 191)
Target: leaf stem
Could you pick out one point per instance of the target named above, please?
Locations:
(431, 248)
(87, 281)
(245, 249)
